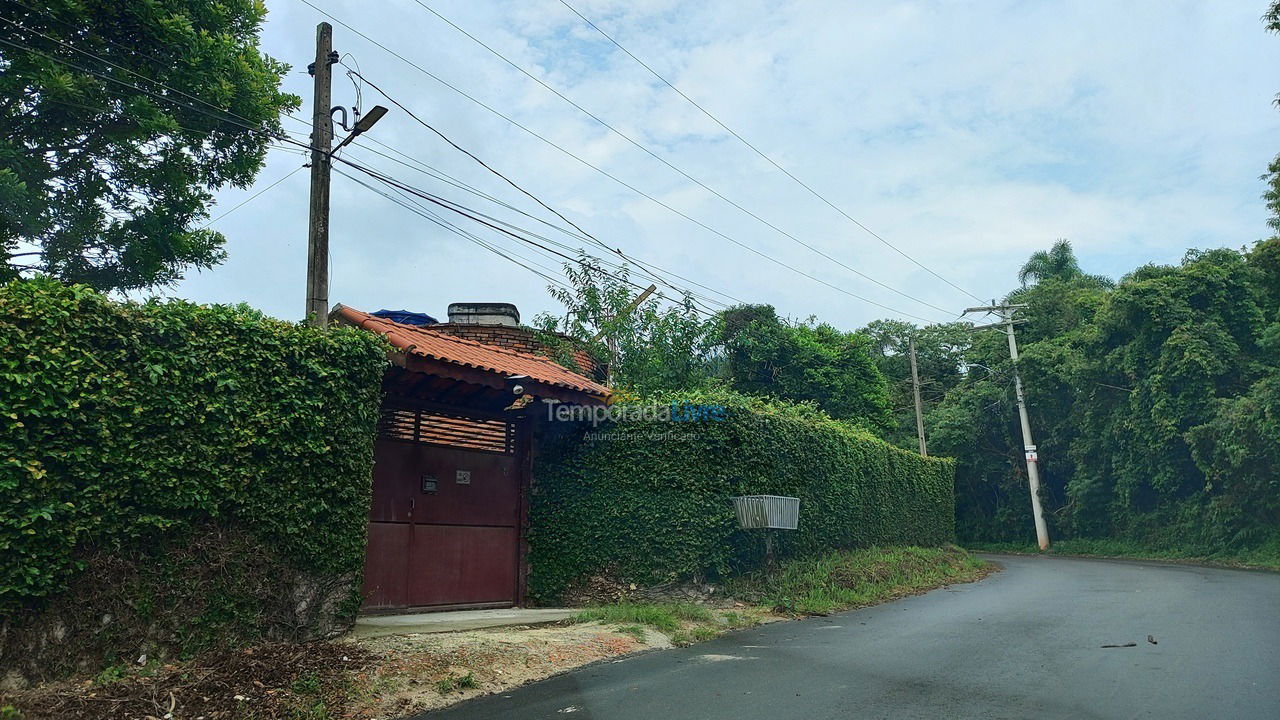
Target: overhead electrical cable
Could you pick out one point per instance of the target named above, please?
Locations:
(566, 248)
(471, 215)
(435, 173)
(761, 153)
(355, 72)
(646, 269)
(474, 238)
(150, 93)
(252, 197)
(605, 173)
(476, 216)
(582, 233)
(158, 96)
(545, 273)
(103, 60)
(643, 148)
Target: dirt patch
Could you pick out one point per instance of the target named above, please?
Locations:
(605, 588)
(424, 672)
(271, 681)
(365, 678)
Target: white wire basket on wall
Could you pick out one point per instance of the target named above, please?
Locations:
(775, 512)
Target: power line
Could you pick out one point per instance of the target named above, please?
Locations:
(119, 67)
(679, 170)
(436, 219)
(705, 301)
(605, 173)
(759, 152)
(290, 116)
(260, 130)
(834, 287)
(474, 238)
(155, 95)
(418, 165)
(449, 180)
(582, 233)
(138, 53)
(472, 215)
(249, 199)
(158, 96)
(562, 246)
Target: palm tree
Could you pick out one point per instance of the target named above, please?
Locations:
(1058, 263)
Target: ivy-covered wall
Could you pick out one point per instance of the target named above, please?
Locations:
(145, 441)
(649, 501)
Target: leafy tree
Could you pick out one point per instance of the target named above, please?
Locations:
(1239, 453)
(940, 351)
(804, 361)
(118, 120)
(653, 348)
(1152, 403)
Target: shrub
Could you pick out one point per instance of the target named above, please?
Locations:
(132, 426)
(650, 501)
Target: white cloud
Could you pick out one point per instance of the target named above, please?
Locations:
(967, 134)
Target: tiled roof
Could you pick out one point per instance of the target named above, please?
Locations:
(427, 343)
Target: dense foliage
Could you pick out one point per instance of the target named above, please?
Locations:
(804, 361)
(648, 348)
(119, 119)
(1153, 402)
(650, 501)
(131, 424)
(1272, 176)
(939, 360)
(682, 346)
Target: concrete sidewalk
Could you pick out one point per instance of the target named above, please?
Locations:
(436, 622)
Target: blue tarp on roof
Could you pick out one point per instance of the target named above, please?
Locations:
(405, 317)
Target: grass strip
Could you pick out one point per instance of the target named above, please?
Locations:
(1265, 557)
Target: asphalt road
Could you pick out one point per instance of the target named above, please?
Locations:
(1024, 643)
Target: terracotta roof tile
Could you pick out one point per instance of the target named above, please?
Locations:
(428, 343)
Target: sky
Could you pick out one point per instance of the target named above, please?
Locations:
(965, 135)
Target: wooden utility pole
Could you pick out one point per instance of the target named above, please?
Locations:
(611, 341)
(321, 141)
(915, 388)
(1005, 313)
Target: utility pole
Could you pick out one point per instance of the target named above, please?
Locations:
(915, 388)
(1005, 313)
(321, 141)
(322, 151)
(611, 341)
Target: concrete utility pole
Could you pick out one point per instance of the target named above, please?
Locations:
(321, 141)
(1005, 313)
(915, 388)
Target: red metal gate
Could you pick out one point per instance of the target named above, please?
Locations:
(444, 524)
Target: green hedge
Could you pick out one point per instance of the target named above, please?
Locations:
(649, 502)
(130, 425)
